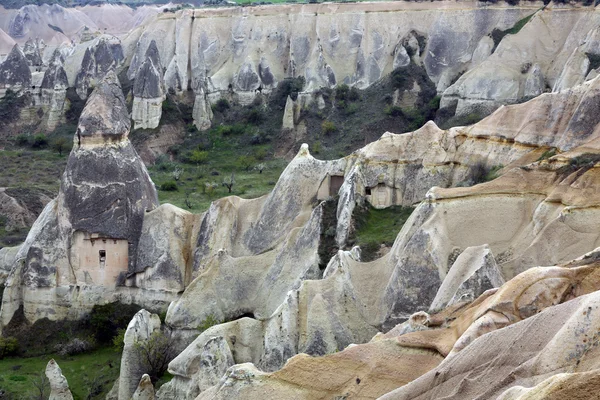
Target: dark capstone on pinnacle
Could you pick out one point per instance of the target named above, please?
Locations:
(15, 70)
(105, 113)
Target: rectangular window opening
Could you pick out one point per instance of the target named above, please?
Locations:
(102, 256)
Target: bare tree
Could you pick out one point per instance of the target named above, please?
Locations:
(94, 384)
(229, 183)
(41, 386)
(156, 353)
(188, 201)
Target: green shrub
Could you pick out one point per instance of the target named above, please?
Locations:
(328, 127)
(246, 162)
(354, 94)
(341, 92)
(119, 340)
(198, 157)
(23, 140)
(17, 378)
(221, 105)
(547, 154)
(351, 108)
(8, 346)
(169, 186)
(255, 116)
(393, 111)
(260, 154)
(191, 128)
(316, 147)
(209, 321)
(61, 145)
(227, 130)
(107, 319)
(39, 141)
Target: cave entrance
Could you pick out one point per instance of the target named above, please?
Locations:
(335, 183)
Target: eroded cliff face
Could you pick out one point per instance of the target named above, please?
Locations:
(86, 239)
(512, 257)
(478, 56)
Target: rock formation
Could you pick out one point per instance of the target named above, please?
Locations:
(59, 387)
(54, 90)
(88, 236)
(477, 57)
(140, 329)
(14, 71)
(104, 55)
(515, 219)
(148, 91)
(145, 390)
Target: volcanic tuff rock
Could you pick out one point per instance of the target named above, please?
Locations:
(54, 90)
(140, 329)
(103, 55)
(104, 194)
(59, 387)
(536, 213)
(145, 390)
(148, 91)
(478, 57)
(14, 71)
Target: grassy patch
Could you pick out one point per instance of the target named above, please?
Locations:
(375, 227)
(17, 375)
(498, 35)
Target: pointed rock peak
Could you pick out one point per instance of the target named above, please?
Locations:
(152, 53)
(145, 389)
(59, 387)
(15, 69)
(32, 53)
(303, 151)
(105, 114)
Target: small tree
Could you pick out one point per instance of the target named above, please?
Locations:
(41, 386)
(246, 162)
(198, 157)
(39, 141)
(156, 353)
(60, 144)
(260, 167)
(229, 183)
(8, 346)
(328, 127)
(188, 201)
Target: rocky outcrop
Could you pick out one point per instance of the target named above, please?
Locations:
(54, 90)
(145, 389)
(21, 206)
(202, 111)
(33, 52)
(474, 271)
(148, 91)
(14, 71)
(517, 222)
(140, 329)
(103, 55)
(59, 387)
(88, 235)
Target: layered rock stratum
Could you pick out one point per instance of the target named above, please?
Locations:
(478, 56)
(489, 290)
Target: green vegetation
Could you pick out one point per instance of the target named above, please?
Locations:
(547, 154)
(8, 346)
(10, 106)
(376, 227)
(90, 375)
(498, 35)
(209, 321)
